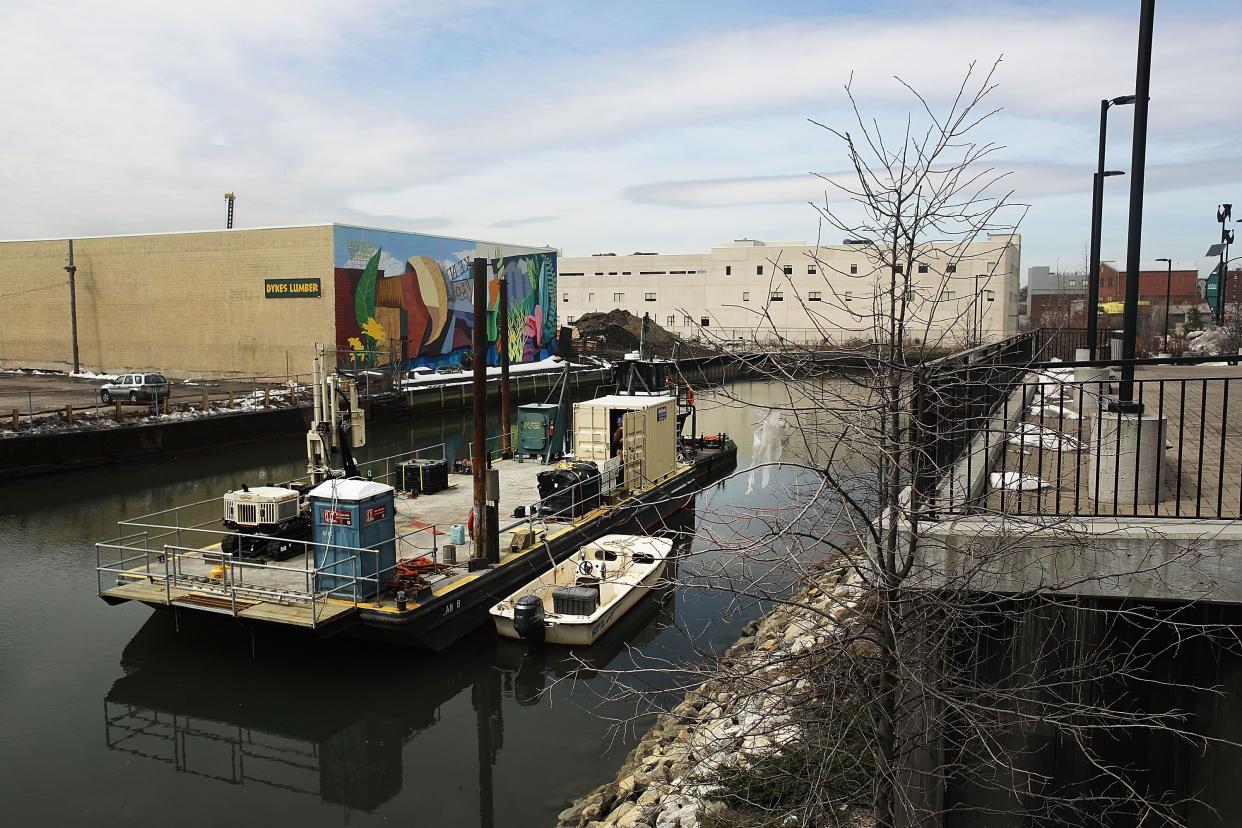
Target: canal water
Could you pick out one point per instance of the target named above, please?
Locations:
(114, 716)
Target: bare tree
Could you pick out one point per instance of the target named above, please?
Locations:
(906, 661)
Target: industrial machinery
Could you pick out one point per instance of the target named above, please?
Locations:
(337, 423)
(272, 521)
(265, 522)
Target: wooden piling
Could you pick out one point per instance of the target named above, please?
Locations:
(267, 394)
(17, 419)
(206, 405)
(117, 413)
(69, 414)
(478, 455)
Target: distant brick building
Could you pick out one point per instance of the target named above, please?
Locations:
(1153, 285)
(1055, 300)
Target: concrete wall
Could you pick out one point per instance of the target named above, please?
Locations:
(184, 303)
(822, 289)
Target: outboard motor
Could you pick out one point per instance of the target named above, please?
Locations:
(528, 619)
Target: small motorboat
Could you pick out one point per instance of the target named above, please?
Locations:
(578, 600)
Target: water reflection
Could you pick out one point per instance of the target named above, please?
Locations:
(332, 721)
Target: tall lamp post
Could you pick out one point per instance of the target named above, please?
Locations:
(1134, 238)
(980, 295)
(1097, 220)
(1223, 213)
(1168, 299)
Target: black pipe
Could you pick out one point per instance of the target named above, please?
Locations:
(1138, 170)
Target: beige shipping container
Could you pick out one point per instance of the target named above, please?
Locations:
(648, 444)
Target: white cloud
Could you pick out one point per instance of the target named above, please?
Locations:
(139, 115)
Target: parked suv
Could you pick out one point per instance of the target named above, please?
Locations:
(135, 387)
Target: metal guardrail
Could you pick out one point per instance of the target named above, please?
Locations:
(1061, 460)
(997, 433)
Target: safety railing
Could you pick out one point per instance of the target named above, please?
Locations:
(1046, 442)
(328, 572)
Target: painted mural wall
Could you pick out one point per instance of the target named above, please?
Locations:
(406, 296)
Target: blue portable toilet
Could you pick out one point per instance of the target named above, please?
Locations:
(349, 515)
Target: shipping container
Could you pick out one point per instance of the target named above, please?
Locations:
(641, 429)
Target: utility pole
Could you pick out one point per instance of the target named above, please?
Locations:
(72, 270)
(230, 198)
(1134, 242)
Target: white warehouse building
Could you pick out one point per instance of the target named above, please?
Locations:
(750, 289)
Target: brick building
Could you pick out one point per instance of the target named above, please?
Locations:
(1153, 285)
(250, 302)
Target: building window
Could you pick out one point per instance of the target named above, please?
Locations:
(853, 268)
(612, 273)
(788, 270)
(991, 267)
(728, 270)
(810, 269)
(948, 295)
(618, 297)
(648, 297)
(849, 296)
(777, 296)
(922, 268)
(951, 268)
(569, 320)
(1073, 283)
(565, 297)
(898, 268)
(625, 273)
(687, 321)
(814, 296)
(758, 270)
(746, 296)
(599, 273)
(670, 321)
(590, 297)
(704, 321)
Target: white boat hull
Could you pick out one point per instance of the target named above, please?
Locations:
(584, 630)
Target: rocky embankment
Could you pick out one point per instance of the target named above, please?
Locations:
(743, 713)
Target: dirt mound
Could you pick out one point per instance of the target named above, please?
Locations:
(617, 332)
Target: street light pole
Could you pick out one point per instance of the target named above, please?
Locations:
(979, 296)
(1223, 213)
(1168, 298)
(1134, 240)
(1097, 221)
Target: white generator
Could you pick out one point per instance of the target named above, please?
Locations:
(264, 522)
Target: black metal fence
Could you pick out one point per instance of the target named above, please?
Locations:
(1061, 457)
(1003, 430)
(1052, 344)
(954, 400)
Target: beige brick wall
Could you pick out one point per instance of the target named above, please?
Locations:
(190, 304)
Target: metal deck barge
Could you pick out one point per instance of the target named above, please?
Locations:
(173, 559)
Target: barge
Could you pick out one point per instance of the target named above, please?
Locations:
(386, 555)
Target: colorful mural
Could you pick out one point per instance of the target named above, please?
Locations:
(409, 297)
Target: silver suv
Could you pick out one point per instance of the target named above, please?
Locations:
(135, 387)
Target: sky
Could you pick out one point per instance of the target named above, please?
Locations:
(585, 126)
